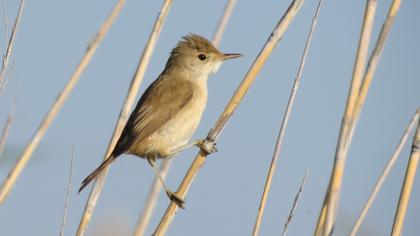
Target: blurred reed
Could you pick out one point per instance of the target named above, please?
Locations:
(385, 173)
(6, 130)
(356, 98)
(56, 106)
(10, 43)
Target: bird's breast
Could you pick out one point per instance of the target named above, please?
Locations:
(179, 130)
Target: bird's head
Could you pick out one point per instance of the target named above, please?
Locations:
(196, 55)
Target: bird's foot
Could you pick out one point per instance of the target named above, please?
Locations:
(176, 199)
(207, 146)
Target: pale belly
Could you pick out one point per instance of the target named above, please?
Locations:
(176, 132)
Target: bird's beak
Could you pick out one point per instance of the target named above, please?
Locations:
(228, 56)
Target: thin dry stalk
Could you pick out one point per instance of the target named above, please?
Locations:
(376, 54)
(321, 218)
(284, 123)
(5, 23)
(407, 185)
(151, 200)
(66, 203)
(295, 203)
(385, 173)
(6, 130)
(359, 65)
(352, 115)
(156, 186)
(125, 112)
(55, 108)
(230, 5)
(9, 48)
(361, 57)
(249, 78)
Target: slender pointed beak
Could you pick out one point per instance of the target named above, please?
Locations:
(228, 56)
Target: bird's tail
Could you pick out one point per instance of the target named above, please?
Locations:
(96, 172)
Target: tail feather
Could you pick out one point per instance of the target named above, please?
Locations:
(96, 172)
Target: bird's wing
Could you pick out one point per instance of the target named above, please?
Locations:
(162, 100)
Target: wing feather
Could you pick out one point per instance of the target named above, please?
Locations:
(162, 100)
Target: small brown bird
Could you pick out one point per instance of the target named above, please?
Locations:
(169, 111)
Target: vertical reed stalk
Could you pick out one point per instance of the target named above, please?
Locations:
(9, 48)
(249, 78)
(284, 123)
(125, 112)
(156, 185)
(385, 173)
(341, 151)
(55, 108)
(66, 202)
(376, 54)
(223, 22)
(6, 130)
(151, 200)
(407, 185)
(352, 115)
(359, 65)
(5, 22)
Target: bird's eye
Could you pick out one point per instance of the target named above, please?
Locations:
(202, 57)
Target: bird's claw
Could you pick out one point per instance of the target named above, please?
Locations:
(207, 146)
(176, 199)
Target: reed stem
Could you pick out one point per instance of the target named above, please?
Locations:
(10, 43)
(56, 106)
(352, 114)
(407, 185)
(284, 123)
(125, 113)
(385, 173)
(156, 186)
(295, 203)
(66, 202)
(249, 78)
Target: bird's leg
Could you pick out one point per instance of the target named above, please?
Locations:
(180, 149)
(172, 196)
(205, 145)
